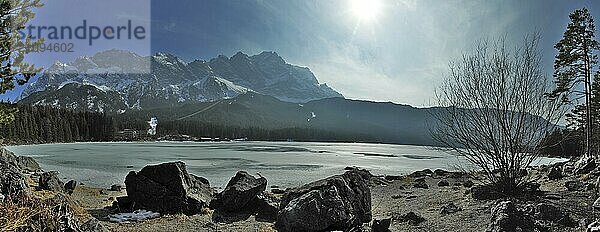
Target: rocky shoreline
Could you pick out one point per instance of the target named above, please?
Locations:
(165, 197)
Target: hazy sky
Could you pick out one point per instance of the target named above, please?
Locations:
(397, 54)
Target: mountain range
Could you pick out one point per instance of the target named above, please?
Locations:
(348, 120)
(260, 92)
(115, 81)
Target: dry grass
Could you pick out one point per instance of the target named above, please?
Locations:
(34, 213)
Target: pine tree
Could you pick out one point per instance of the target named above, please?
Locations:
(14, 14)
(579, 115)
(574, 65)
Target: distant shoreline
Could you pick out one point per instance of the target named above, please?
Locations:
(230, 141)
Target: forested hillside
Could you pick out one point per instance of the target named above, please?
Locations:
(42, 124)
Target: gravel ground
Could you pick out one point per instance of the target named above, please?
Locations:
(396, 198)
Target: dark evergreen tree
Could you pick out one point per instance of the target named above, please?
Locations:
(579, 116)
(574, 66)
(43, 124)
(14, 14)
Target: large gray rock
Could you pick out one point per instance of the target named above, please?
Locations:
(63, 215)
(70, 186)
(443, 183)
(381, 224)
(93, 225)
(468, 183)
(449, 209)
(50, 181)
(12, 181)
(410, 217)
(548, 212)
(266, 207)
(336, 203)
(507, 217)
(422, 173)
(7, 156)
(241, 189)
(168, 188)
(28, 164)
(585, 165)
(555, 172)
(575, 185)
(24, 163)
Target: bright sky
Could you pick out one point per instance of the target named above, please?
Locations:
(382, 50)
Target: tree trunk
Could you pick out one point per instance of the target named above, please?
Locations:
(588, 107)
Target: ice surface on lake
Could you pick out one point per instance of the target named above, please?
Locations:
(287, 164)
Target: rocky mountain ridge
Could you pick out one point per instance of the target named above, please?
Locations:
(117, 81)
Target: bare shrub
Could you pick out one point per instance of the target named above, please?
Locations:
(494, 110)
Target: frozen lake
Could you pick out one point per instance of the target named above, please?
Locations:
(286, 164)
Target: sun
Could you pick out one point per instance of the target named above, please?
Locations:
(365, 10)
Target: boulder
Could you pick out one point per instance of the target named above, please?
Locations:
(443, 183)
(449, 208)
(422, 173)
(50, 181)
(371, 179)
(484, 192)
(24, 163)
(7, 156)
(457, 175)
(63, 216)
(28, 164)
(168, 188)
(506, 217)
(116, 187)
(548, 212)
(441, 173)
(410, 217)
(468, 184)
(531, 188)
(584, 165)
(12, 181)
(381, 224)
(123, 204)
(265, 207)
(575, 185)
(277, 191)
(92, 225)
(555, 173)
(70, 186)
(421, 184)
(393, 177)
(336, 203)
(241, 189)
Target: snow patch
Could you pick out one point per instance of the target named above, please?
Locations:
(138, 215)
(230, 85)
